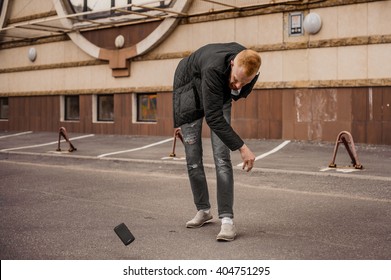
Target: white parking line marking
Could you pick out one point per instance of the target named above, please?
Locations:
(16, 134)
(135, 149)
(276, 149)
(173, 158)
(343, 170)
(45, 144)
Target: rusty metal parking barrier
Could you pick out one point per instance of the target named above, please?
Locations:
(346, 138)
(177, 134)
(63, 133)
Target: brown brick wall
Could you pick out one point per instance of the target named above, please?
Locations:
(296, 114)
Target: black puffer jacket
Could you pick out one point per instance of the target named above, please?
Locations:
(201, 87)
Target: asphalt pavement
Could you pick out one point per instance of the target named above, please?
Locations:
(65, 205)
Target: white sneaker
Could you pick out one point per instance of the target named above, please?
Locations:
(200, 219)
(227, 233)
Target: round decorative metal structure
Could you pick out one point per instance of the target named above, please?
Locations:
(119, 58)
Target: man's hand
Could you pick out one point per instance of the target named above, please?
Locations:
(248, 157)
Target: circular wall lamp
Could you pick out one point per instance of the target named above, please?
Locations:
(32, 54)
(312, 23)
(119, 41)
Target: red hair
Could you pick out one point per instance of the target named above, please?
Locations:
(249, 60)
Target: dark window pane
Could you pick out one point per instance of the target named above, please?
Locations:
(72, 108)
(4, 108)
(105, 107)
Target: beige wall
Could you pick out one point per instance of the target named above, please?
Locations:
(295, 65)
(340, 64)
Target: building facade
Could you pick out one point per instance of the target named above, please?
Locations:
(107, 66)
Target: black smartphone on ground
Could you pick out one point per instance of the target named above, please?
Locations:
(124, 234)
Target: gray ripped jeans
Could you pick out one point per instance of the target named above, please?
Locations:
(224, 174)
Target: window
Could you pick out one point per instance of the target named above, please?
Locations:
(4, 108)
(72, 112)
(146, 107)
(105, 107)
(103, 8)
